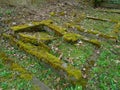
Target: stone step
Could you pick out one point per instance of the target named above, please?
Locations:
(38, 36)
(102, 19)
(70, 37)
(94, 32)
(69, 72)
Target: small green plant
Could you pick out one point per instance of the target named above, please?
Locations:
(4, 73)
(1, 14)
(77, 87)
(8, 12)
(4, 85)
(1, 66)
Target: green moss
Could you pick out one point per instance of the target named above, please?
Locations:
(74, 37)
(114, 21)
(73, 74)
(95, 42)
(25, 27)
(18, 68)
(52, 13)
(26, 76)
(71, 37)
(35, 87)
(49, 23)
(16, 28)
(37, 36)
(33, 40)
(23, 73)
(92, 41)
(71, 25)
(101, 19)
(46, 21)
(5, 58)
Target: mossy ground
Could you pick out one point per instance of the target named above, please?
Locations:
(105, 71)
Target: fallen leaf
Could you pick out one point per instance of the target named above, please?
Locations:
(58, 79)
(61, 55)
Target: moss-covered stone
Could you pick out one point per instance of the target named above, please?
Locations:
(95, 42)
(92, 41)
(39, 44)
(34, 40)
(71, 25)
(91, 31)
(37, 37)
(101, 19)
(32, 27)
(26, 27)
(71, 37)
(48, 58)
(57, 29)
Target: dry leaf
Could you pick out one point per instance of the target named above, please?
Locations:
(84, 76)
(58, 79)
(61, 55)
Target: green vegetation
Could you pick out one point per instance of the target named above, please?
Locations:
(105, 73)
(63, 51)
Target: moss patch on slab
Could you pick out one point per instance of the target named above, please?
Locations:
(49, 23)
(37, 36)
(26, 27)
(101, 19)
(33, 40)
(90, 24)
(100, 34)
(71, 37)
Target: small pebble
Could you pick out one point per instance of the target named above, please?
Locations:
(64, 65)
(14, 23)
